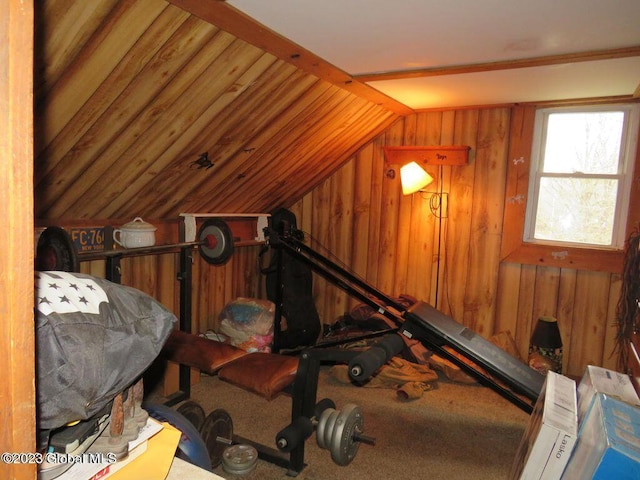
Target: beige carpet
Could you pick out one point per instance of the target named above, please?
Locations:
(453, 432)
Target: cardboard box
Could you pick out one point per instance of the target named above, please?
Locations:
(609, 443)
(551, 432)
(601, 380)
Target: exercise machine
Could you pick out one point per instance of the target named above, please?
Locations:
(487, 363)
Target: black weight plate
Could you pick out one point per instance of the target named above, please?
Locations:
(217, 424)
(322, 405)
(55, 251)
(223, 248)
(193, 412)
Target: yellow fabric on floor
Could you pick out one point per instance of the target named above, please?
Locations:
(413, 390)
(395, 373)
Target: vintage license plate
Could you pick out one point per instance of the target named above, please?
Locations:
(88, 239)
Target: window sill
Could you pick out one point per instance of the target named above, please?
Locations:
(567, 257)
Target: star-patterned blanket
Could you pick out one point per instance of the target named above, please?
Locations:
(94, 339)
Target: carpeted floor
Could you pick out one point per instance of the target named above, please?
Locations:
(454, 431)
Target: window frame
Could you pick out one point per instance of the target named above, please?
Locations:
(627, 149)
(514, 249)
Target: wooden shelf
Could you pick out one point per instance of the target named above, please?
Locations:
(434, 155)
(246, 228)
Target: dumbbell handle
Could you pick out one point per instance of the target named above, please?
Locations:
(362, 438)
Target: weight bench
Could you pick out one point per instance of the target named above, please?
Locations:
(269, 374)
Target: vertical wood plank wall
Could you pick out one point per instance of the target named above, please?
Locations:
(360, 215)
(213, 286)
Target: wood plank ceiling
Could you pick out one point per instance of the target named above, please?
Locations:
(129, 95)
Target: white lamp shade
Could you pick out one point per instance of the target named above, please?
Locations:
(413, 178)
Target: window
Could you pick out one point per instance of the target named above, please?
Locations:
(580, 178)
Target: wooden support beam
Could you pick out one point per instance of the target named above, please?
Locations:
(231, 20)
(17, 332)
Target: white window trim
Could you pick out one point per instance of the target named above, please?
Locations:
(625, 172)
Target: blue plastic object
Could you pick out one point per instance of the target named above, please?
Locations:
(191, 447)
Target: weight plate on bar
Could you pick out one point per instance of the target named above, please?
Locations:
(322, 405)
(218, 424)
(193, 412)
(324, 430)
(215, 241)
(55, 251)
(348, 425)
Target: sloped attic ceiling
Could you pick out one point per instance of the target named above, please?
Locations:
(129, 95)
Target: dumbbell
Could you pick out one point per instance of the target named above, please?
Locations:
(301, 428)
(339, 431)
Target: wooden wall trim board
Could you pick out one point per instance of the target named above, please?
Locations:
(565, 257)
(17, 336)
(517, 178)
(633, 221)
(624, 52)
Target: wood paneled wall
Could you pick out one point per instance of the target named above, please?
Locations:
(360, 217)
(213, 286)
(392, 241)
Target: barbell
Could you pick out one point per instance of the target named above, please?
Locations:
(55, 249)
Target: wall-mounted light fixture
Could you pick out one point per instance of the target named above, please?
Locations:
(413, 160)
(414, 178)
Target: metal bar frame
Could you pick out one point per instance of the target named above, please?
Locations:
(386, 306)
(304, 392)
(337, 275)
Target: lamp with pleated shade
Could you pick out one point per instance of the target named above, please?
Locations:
(413, 178)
